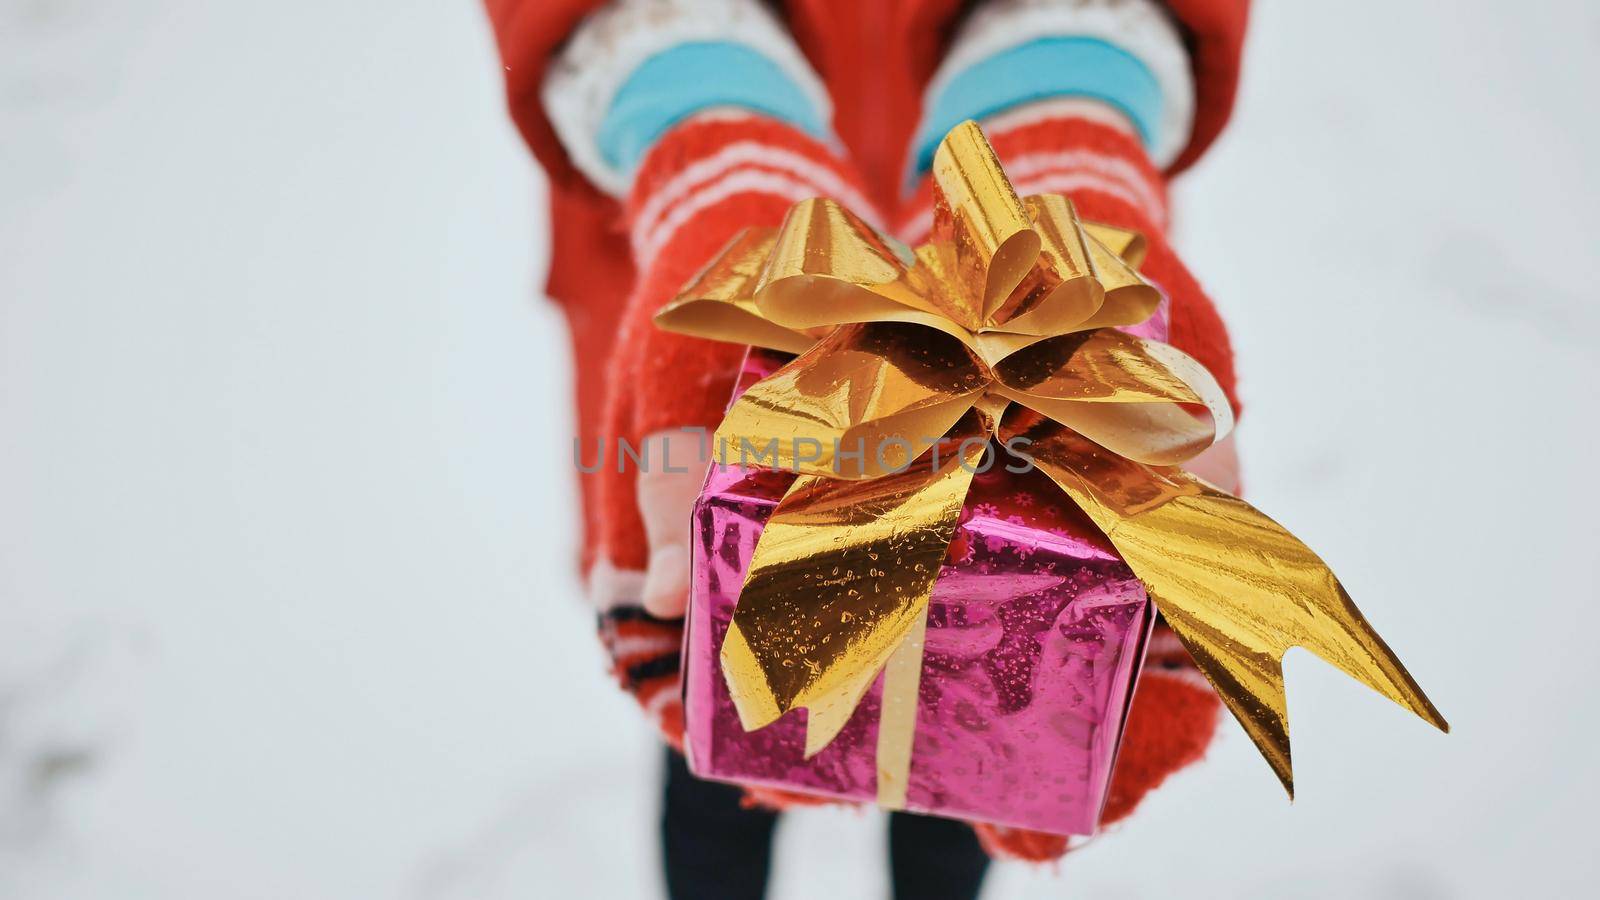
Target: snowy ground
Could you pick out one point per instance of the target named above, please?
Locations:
(286, 606)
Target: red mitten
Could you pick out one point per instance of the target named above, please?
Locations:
(705, 181)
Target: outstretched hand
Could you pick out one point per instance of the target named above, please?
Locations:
(666, 496)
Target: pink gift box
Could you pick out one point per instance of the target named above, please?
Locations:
(1036, 632)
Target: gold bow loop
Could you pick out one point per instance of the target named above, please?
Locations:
(907, 362)
(1020, 294)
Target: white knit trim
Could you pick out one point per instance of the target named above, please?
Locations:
(826, 181)
(614, 40)
(739, 181)
(1130, 178)
(1068, 182)
(1140, 27)
(642, 645)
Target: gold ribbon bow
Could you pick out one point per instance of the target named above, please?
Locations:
(1002, 325)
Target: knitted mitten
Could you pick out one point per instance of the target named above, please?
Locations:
(703, 182)
(703, 118)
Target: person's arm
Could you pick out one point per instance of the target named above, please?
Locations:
(700, 118)
(703, 179)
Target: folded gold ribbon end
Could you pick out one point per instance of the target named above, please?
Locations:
(1236, 587)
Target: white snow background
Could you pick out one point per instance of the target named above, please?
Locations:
(287, 606)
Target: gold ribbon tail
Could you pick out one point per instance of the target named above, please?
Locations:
(1237, 588)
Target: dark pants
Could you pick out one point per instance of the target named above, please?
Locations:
(716, 850)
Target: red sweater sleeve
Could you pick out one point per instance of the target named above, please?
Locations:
(527, 32)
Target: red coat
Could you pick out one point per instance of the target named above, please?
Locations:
(875, 56)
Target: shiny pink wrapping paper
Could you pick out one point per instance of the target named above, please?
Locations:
(1036, 632)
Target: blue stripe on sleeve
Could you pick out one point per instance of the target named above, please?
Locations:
(1040, 70)
(678, 82)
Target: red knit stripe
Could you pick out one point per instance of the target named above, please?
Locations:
(660, 698)
(705, 161)
(1051, 136)
(636, 646)
(642, 629)
(661, 381)
(647, 690)
(698, 138)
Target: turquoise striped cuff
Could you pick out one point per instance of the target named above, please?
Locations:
(1041, 70)
(676, 83)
